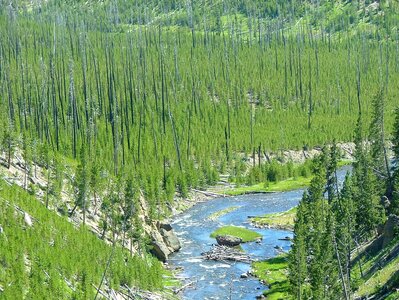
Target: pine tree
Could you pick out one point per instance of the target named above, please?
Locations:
(27, 155)
(331, 174)
(297, 256)
(95, 179)
(379, 158)
(368, 210)
(8, 144)
(314, 242)
(128, 207)
(394, 208)
(344, 211)
(81, 185)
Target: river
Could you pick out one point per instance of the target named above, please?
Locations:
(221, 280)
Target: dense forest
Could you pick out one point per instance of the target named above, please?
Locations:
(129, 105)
(332, 221)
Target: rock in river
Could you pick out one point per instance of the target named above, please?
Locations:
(170, 239)
(160, 250)
(228, 240)
(164, 242)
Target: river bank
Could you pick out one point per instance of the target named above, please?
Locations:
(218, 279)
(194, 225)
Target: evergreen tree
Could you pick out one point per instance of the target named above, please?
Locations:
(368, 210)
(314, 241)
(27, 156)
(298, 255)
(8, 144)
(331, 174)
(395, 141)
(344, 211)
(81, 185)
(95, 178)
(129, 207)
(379, 159)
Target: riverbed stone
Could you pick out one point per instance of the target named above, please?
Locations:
(170, 239)
(228, 240)
(167, 227)
(160, 250)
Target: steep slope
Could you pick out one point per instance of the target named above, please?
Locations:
(243, 15)
(44, 256)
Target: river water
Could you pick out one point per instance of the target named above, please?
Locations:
(221, 280)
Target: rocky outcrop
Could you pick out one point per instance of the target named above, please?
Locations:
(164, 242)
(160, 250)
(28, 220)
(170, 239)
(391, 229)
(228, 240)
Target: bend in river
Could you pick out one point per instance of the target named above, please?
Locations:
(221, 280)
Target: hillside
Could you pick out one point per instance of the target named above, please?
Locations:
(115, 113)
(244, 16)
(44, 256)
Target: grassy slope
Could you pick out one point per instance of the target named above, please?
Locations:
(245, 234)
(41, 260)
(273, 272)
(281, 186)
(283, 219)
(377, 272)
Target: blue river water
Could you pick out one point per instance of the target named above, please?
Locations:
(221, 280)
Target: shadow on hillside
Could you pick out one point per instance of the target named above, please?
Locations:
(392, 285)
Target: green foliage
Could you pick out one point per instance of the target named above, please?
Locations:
(329, 224)
(245, 234)
(283, 219)
(314, 265)
(274, 272)
(135, 94)
(222, 212)
(57, 260)
(380, 274)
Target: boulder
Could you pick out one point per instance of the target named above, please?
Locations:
(391, 229)
(28, 220)
(160, 250)
(385, 202)
(170, 239)
(244, 275)
(167, 227)
(164, 242)
(228, 240)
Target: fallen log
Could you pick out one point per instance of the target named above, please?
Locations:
(211, 194)
(176, 291)
(220, 253)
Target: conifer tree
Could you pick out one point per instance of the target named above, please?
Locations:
(8, 144)
(81, 185)
(379, 158)
(368, 210)
(298, 254)
(395, 141)
(344, 211)
(27, 155)
(128, 207)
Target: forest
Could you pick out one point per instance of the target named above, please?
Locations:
(114, 112)
(322, 264)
